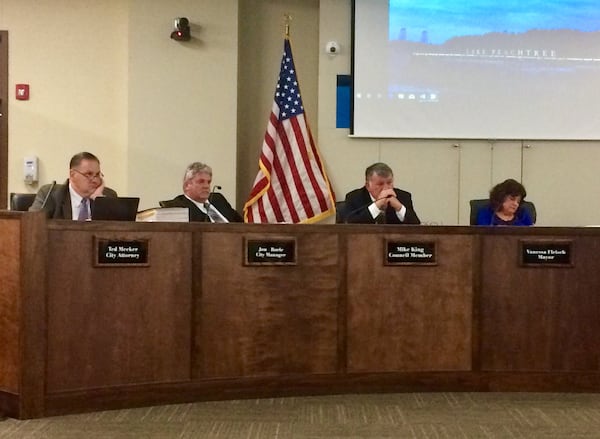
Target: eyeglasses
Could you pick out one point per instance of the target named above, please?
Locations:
(90, 176)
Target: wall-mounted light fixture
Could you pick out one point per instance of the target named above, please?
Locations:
(182, 30)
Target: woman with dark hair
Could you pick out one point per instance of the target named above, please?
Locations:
(503, 210)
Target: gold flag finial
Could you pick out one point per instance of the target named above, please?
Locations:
(287, 19)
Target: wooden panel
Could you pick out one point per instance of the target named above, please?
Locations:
(10, 305)
(409, 317)
(34, 246)
(539, 319)
(271, 320)
(337, 321)
(118, 325)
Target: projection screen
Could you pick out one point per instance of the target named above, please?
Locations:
(482, 69)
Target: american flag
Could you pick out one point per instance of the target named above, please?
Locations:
(291, 185)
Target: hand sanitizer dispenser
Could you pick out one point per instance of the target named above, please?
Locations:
(30, 169)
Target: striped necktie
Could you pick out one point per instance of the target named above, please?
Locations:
(213, 214)
(83, 210)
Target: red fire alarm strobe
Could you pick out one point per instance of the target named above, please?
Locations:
(22, 92)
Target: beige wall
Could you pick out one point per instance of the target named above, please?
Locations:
(74, 56)
(182, 96)
(106, 77)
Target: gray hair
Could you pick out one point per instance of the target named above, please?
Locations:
(196, 168)
(380, 169)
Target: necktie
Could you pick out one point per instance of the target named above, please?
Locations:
(213, 214)
(83, 210)
(390, 216)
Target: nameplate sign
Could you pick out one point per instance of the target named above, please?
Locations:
(270, 251)
(110, 252)
(547, 253)
(410, 253)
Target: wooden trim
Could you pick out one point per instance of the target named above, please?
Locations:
(9, 405)
(224, 389)
(342, 323)
(197, 351)
(3, 118)
(476, 306)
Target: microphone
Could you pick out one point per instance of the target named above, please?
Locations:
(364, 206)
(48, 195)
(207, 203)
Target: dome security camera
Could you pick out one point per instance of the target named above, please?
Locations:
(332, 48)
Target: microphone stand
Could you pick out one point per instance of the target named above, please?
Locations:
(207, 203)
(48, 195)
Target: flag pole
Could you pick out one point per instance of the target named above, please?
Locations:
(287, 19)
(291, 185)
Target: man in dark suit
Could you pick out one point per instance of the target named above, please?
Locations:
(203, 205)
(72, 199)
(378, 201)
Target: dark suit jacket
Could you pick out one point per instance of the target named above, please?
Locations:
(216, 199)
(58, 205)
(356, 209)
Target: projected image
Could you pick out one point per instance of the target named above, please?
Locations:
(479, 69)
(437, 21)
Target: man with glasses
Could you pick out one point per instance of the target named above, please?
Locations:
(71, 200)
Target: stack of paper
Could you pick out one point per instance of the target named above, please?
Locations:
(164, 214)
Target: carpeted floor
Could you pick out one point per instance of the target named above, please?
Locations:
(408, 415)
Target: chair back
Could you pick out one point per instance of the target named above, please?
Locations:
(530, 208)
(477, 205)
(340, 212)
(21, 201)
